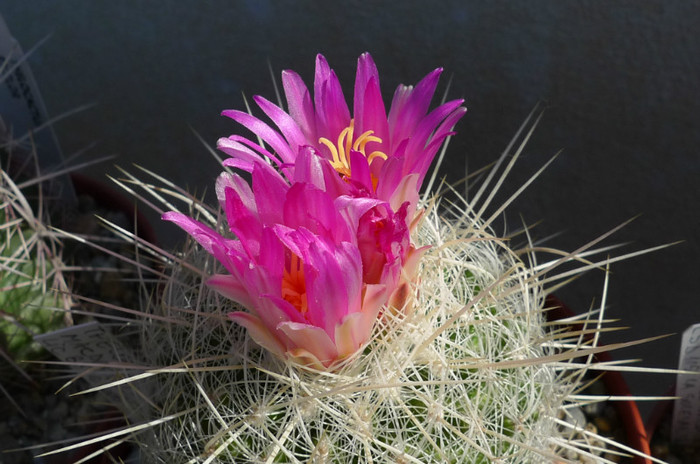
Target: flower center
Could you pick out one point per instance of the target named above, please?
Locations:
(294, 285)
(340, 151)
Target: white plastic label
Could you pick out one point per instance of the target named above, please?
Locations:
(686, 411)
(88, 343)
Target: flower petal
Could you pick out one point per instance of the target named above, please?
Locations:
(313, 169)
(312, 339)
(410, 105)
(301, 108)
(230, 287)
(331, 109)
(265, 132)
(258, 332)
(245, 151)
(203, 234)
(336, 289)
(286, 124)
(369, 110)
(308, 207)
(270, 192)
(416, 158)
(361, 176)
(242, 221)
(405, 191)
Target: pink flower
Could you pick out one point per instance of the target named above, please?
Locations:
(312, 270)
(378, 156)
(322, 238)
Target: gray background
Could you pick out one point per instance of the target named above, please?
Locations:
(620, 79)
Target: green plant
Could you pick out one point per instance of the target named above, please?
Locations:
(34, 297)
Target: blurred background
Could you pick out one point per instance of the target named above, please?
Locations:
(620, 80)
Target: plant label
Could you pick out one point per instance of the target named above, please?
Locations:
(87, 345)
(686, 411)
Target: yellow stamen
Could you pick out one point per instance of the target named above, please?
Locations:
(340, 151)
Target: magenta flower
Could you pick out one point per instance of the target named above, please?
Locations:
(378, 156)
(311, 269)
(322, 238)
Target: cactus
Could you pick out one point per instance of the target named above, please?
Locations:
(34, 297)
(460, 378)
(471, 373)
(463, 369)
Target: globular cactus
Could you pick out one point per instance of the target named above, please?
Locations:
(461, 377)
(458, 364)
(468, 371)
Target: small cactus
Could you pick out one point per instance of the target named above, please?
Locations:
(34, 297)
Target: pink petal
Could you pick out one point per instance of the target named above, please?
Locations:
(321, 76)
(355, 330)
(297, 240)
(315, 170)
(383, 241)
(225, 181)
(443, 131)
(203, 234)
(308, 207)
(353, 208)
(416, 160)
(360, 174)
(374, 298)
(301, 108)
(405, 191)
(373, 117)
(231, 288)
(352, 333)
(270, 191)
(312, 339)
(332, 114)
(259, 332)
(366, 70)
(240, 148)
(398, 103)
(271, 263)
(243, 222)
(302, 357)
(390, 177)
(286, 124)
(285, 307)
(265, 132)
(333, 283)
(411, 106)
(369, 106)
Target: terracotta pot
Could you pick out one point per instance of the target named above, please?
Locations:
(616, 386)
(662, 411)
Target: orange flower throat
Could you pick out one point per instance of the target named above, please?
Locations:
(294, 285)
